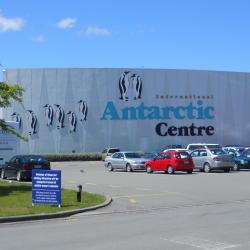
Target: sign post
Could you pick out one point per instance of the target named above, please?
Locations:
(46, 187)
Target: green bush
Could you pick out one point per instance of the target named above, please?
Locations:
(73, 157)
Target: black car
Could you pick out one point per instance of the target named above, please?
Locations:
(20, 166)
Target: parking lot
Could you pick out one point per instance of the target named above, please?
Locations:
(206, 211)
(141, 191)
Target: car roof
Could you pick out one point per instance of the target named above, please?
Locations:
(203, 144)
(128, 152)
(207, 149)
(27, 155)
(175, 150)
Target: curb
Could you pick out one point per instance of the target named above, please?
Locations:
(54, 215)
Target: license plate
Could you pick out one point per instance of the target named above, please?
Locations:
(37, 166)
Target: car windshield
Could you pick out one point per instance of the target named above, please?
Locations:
(216, 151)
(132, 155)
(148, 155)
(213, 146)
(237, 154)
(182, 155)
(33, 158)
(114, 150)
(246, 153)
(240, 150)
(172, 146)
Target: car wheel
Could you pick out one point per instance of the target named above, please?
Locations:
(236, 167)
(190, 171)
(207, 168)
(170, 170)
(3, 174)
(110, 168)
(148, 169)
(129, 168)
(19, 176)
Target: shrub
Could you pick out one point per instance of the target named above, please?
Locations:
(73, 156)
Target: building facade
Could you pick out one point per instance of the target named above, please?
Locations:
(87, 110)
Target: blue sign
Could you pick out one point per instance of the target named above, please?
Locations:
(46, 187)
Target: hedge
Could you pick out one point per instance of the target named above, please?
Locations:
(73, 157)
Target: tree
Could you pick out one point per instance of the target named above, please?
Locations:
(9, 93)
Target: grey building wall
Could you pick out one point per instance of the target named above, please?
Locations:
(165, 94)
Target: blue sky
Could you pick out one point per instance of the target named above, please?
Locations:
(177, 34)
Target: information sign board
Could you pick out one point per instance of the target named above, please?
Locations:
(46, 187)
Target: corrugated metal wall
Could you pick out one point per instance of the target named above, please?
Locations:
(226, 92)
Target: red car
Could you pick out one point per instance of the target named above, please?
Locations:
(170, 162)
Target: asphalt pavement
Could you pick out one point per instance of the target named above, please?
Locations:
(142, 191)
(149, 211)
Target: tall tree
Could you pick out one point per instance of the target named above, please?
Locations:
(8, 94)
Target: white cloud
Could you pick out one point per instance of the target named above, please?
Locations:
(11, 24)
(97, 31)
(39, 38)
(66, 23)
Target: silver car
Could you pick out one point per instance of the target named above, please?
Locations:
(128, 161)
(212, 159)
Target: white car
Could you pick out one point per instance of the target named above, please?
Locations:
(193, 146)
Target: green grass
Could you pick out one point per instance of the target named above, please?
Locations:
(15, 199)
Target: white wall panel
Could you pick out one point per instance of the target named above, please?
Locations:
(226, 94)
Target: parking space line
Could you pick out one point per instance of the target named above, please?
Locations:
(114, 186)
(143, 189)
(90, 184)
(144, 195)
(200, 243)
(132, 200)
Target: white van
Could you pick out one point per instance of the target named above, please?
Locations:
(109, 151)
(193, 146)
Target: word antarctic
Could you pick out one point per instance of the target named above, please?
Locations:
(143, 112)
(188, 112)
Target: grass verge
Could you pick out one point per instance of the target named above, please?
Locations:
(15, 199)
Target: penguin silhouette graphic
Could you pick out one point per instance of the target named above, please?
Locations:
(124, 83)
(59, 116)
(136, 83)
(72, 121)
(48, 114)
(83, 109)
(32, 122)
(17, 118)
